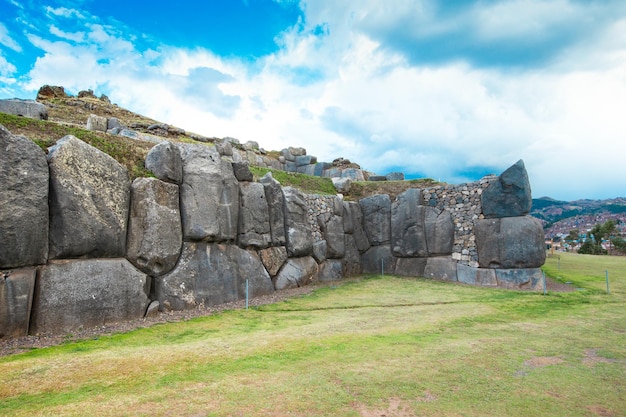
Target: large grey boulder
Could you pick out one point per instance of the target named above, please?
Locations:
(97, 123)
(441, 267)
(342, 185)
(273, 258)
(16, 296)
(89, 202)
(25, 108)
(510, 195)
(360, 237)
(254, 223)
(86, 293)
(209, 196)
(299, 235)
(23, 202)
(242, 171)
(408, 235)
(439, 228)
(377, 218)
(348, 219)
(320, 248)
(511, 242)
(476, 276)
(330, 270)
(165, 162)
(155, 233)
(520, 279)
(276, 207)
(331, 226)
(210, 274)
(297, 272)
(410, 267)
(378, 260)
(351, 261)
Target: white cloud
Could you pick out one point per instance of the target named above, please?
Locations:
(7, 40)
(340, 92)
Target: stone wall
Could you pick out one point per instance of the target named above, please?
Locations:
(83, 246)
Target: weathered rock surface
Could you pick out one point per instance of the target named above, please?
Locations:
(86, 293)
(351, 261)
(331, 226)
(210, 274)
(299, 238)
(439, 228)
(209, 196)
(378, 260)
(330, 270)
(360, 237)
(89, 202)
(529, 278)
(511, 242)
(16, 296)
(319, 250)
(510, 196)
(97, 123)
(377, 218)
(154, 209)
(408, 235)
(410, 267)
(165, 162)
(242, 171)
(476, 276)
(441, 267)
(276, 207)
(23, 202)
(25, 108)
(273, 258)
(342, 185)
(254, 222)
(297, 272)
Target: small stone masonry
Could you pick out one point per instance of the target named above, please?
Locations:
(82, 246)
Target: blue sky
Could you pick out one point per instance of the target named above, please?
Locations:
(450, 90)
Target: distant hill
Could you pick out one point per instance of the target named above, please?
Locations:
(551, 211)
(559, 217)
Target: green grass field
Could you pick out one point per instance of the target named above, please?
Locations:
(366, 347)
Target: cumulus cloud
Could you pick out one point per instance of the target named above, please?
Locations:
(449, 90)
(7, 40)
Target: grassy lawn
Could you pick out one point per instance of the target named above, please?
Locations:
(366, 347)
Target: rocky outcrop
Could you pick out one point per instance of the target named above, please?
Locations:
(23, 202)
(165, 162)
(209, 196)
(154, 208)
(89, 201)
(85, 293)
(25, 108)
(510, 195)
(210, 274)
